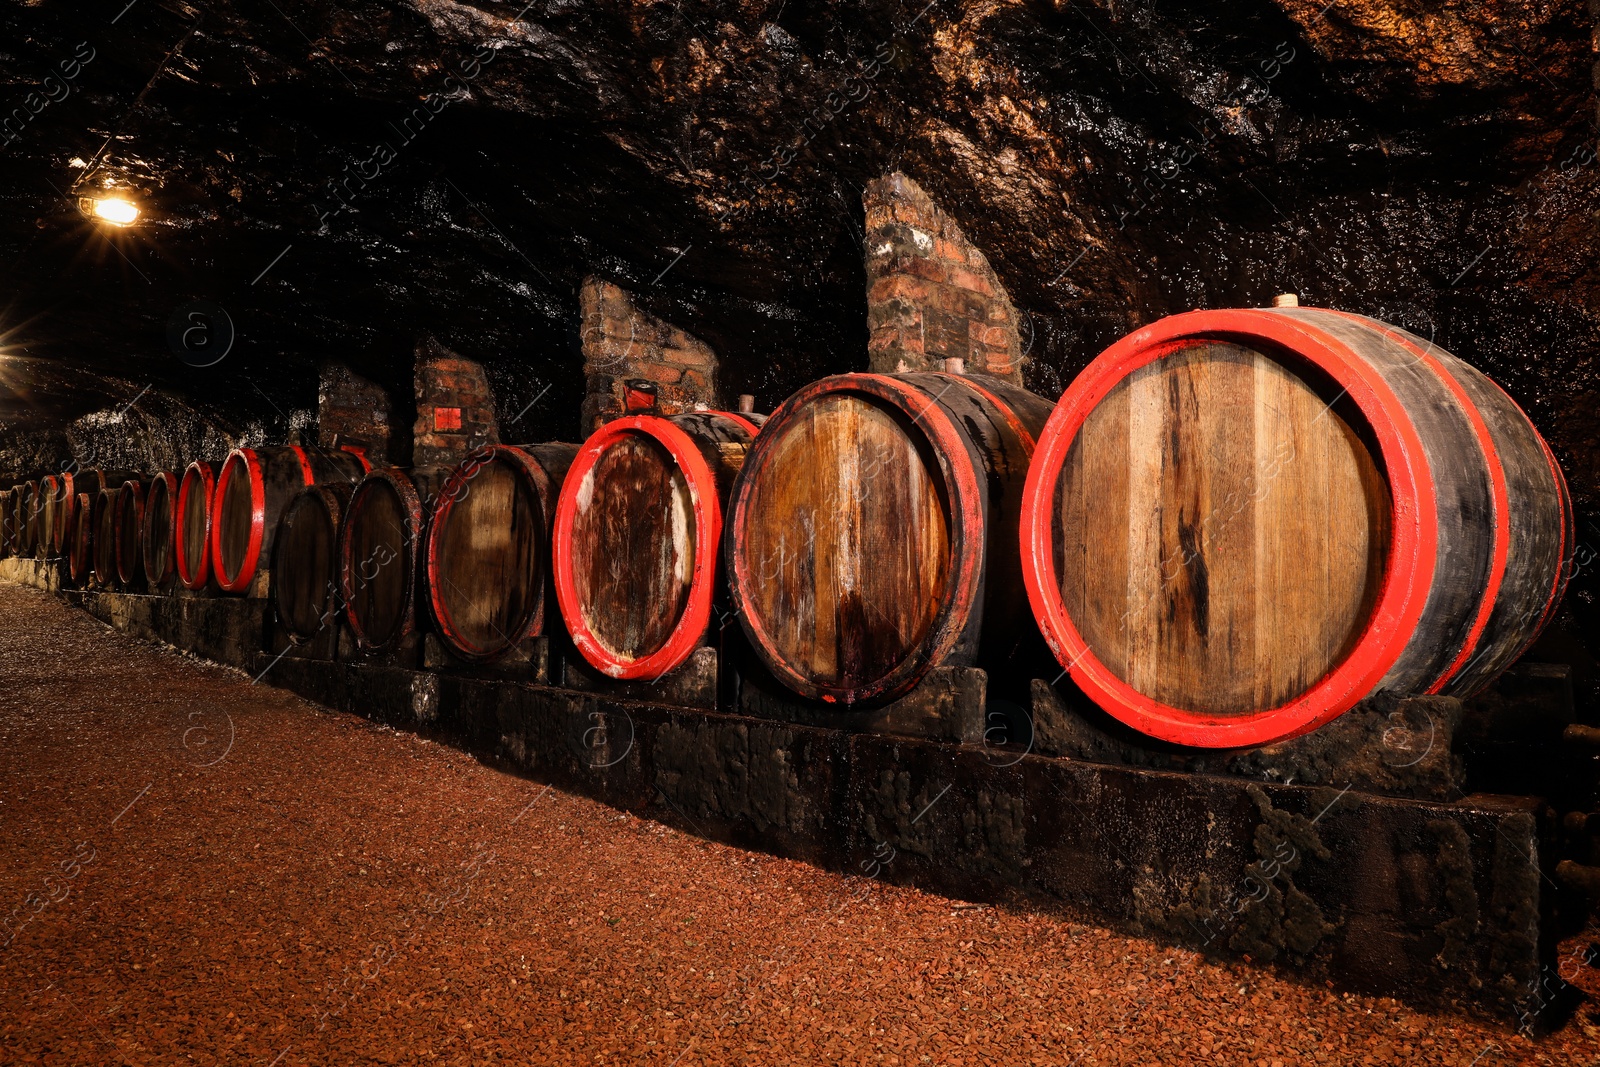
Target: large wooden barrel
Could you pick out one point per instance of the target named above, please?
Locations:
(104, 519)
(380, 546)
(872, 532)
(305, 561)
(28, 518)
(1240, 523)
(51, 506)
(128, 525)
(157, 533)
(191, 536)
(488, 553)
(637, 535)
(80, 561)
(251, 491)
(59, 495)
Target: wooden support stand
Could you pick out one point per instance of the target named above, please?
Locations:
(947, 705)
(691, 685)
(529, 661)
(1389, 746)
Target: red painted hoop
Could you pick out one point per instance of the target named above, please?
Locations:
(1407, 578)
(703, 498)
(457, 485)
(239, 581)
(749, 427)
(1500, 497)
(960, 482)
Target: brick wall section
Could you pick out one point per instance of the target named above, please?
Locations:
(620, 341)
(352, 411)
(930, 294)
(455, 411)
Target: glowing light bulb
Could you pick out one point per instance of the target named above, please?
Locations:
(116, 210)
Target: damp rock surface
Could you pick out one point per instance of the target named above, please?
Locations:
(341, 180)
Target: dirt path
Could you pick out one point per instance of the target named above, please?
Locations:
(195, 869)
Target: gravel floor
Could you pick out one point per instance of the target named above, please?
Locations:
(201, 870)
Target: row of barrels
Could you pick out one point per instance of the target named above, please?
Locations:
(1232, 527)
(207, 526)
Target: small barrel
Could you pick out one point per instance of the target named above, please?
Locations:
(305, 561)
(379, 547)
(191, 539)
(1240, 523)
(104, 519)
(128, 525)
(251, 491)
(488, 554)
(156, 535)
(28, 519)
(635, 546)
(872, 532)
(80, 560)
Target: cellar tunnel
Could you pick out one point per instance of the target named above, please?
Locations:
(418, 231)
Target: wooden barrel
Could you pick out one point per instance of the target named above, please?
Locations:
(156, 535)
(1240, 523)
(104, 519)
(8, 522)
(128, 525)
(487, 560)
(86, 480)
(379, 547)
(248, 500)
(59, 493)
(28, 519)
(80, 561)
(871, 535)
(191, 536)
(305, 561)
(50, 508)
(636, 539)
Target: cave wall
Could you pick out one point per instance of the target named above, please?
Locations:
(343, 180)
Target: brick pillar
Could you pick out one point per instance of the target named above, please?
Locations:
(455, 412)
(930, 294)
(620, 342)
(352, 411)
